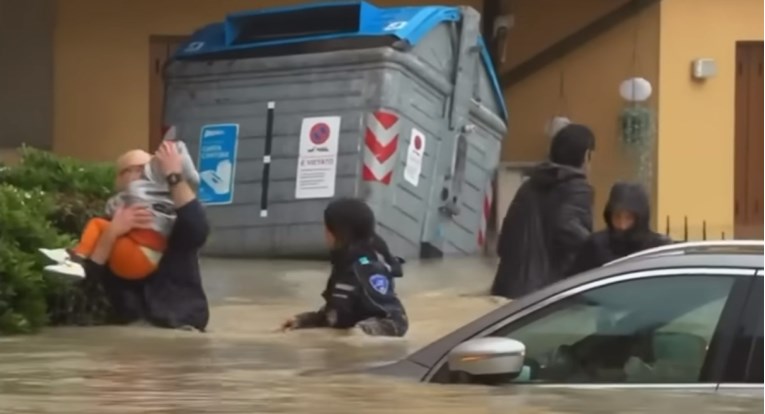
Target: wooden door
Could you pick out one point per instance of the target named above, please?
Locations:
(748, 181)
(160, 50)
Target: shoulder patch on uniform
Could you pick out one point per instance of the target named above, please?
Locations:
(380, 283)
(364, 260)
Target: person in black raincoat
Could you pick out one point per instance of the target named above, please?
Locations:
(549, 218)
(361, 287)
(628, 216)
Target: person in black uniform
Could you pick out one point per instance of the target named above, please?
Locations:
(361, 287)
(628, 219)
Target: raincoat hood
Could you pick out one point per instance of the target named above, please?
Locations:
(630, 197)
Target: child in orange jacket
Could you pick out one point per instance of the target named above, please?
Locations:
(136, 254)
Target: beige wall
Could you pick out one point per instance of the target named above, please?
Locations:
(695, 150)
(592, 76)
(541, 23)
(102, 70)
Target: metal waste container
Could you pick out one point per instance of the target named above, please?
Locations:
(288, 108)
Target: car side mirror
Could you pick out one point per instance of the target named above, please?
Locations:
(490, 357)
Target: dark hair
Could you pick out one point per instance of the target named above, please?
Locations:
(352, 222)
(571, 144)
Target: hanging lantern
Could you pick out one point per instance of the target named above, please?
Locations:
(635, 90)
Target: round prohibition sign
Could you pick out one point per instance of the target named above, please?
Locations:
(417, 142)
(319, 133)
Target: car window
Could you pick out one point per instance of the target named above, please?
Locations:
(648, 330)
(745, 361)
(697, 322)
(754, 324)
(754, 373)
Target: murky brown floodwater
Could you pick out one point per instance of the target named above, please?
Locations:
(243, 366)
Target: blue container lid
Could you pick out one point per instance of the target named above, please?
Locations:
(312, 22)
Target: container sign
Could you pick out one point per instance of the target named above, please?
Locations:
(317, 161)
(217, 163)
(395, 25)
(414, 156)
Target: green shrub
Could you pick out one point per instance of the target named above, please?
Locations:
(24, 229)
(79, 189)
(48, 172)
(45, 201)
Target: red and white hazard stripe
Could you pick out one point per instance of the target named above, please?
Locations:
(380, 144)
(485, 212)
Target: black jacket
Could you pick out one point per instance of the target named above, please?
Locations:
(361, 286)
(611, 244)
(173, 296)
(545, 226)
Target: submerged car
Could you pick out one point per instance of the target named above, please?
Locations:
(687, 315)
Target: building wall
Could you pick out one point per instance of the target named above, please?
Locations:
(9, 156)
(540, 23)
(26, 74)
(589, 94)
(695, 151)
(102, 65)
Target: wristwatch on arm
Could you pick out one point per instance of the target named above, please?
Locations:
(173, 179)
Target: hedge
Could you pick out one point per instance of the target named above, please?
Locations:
(45, 201)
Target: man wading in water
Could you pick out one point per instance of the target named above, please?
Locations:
(549, 218)
(172, 295)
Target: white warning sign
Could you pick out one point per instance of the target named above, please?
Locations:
(414, 156)
(317, 161)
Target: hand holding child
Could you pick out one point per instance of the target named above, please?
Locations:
(130, 217)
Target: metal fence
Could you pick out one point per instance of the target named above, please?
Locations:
(684, 230)
(668, 230)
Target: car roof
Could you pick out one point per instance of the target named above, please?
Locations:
(709, 247)
(430, 354)
(675, 259)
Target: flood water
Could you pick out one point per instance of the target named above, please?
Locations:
(243, 366)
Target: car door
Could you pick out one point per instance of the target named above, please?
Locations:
(743, 371)
(659, 328)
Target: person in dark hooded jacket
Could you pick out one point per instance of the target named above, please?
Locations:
(360, 290)
(628, 217)
(549, 219)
